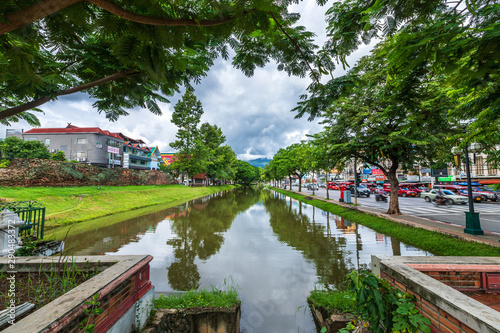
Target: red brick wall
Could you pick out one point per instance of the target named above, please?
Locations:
(441, 321)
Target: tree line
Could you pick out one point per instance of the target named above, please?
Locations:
(201, 148)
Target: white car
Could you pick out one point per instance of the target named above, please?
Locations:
(455, 199)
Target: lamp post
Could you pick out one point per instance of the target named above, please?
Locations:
(472, 223)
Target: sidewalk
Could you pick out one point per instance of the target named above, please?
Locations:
(452, 230)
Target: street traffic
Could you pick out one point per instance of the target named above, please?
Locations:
(416, 206)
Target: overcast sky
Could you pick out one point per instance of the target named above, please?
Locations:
(253, 113)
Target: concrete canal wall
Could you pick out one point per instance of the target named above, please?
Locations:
(438, 284)
(196, 320)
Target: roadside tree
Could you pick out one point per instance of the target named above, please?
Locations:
(389, 123)
(457, 40)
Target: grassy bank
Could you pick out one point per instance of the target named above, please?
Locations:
(199, 298)
(436, 243)
(68, 205)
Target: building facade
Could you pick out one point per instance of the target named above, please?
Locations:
(156, 159)
(88, 145)
(135, 154)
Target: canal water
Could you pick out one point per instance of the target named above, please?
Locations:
(273, 248)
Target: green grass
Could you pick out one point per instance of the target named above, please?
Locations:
(199, 298)
(333, 300)
(433, 242)
(67, 205)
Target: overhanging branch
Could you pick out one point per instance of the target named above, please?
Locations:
(44, 8)
(297, 46)
(42, 100)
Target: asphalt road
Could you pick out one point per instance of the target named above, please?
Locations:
(489, 212)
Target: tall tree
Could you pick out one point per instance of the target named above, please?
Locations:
(127, 54)
(390, 123)
(186, 116)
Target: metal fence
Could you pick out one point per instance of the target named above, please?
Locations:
(33, 215)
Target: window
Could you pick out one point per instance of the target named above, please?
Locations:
(47, 142)
(81, 154)
(113, 143)
(81, 141)
(479, 165)
(491, 169)
(30, 138)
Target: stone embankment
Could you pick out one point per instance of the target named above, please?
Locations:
(35, 172)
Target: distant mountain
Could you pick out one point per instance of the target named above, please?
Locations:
(260, 162)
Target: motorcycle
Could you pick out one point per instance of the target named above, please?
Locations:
(380, 197)
(441, 202)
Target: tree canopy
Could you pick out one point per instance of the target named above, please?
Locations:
(388, 123)
(459, 41)
(127, 54)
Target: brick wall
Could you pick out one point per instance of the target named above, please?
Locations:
(441, 321)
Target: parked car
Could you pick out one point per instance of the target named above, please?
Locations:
(405, 192)
(455, 198)
(333, 186)
(311, 186)
(323, 185)
(490, 189)
(362, 191)
(478, 197)
(415, 187)
(487, 195)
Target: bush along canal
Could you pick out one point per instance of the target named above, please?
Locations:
(275, 248)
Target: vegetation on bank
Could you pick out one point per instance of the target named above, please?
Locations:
(199, 298)
(435, 243)
(67, 205)
(372, 300)
(41, 287)
(332, 300)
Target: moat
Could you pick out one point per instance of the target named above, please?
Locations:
(274, 248)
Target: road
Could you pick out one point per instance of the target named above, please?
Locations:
(489, 212)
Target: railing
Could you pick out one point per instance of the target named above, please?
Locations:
(33, 215)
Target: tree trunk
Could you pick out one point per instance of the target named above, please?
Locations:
(394, 201)
(327, 181)
(290, 178)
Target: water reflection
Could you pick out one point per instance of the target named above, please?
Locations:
(199, 229)
(314, 240)
(275, 248)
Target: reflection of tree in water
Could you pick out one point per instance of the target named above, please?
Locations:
(112, 237)
(199, 233)
(313, 240)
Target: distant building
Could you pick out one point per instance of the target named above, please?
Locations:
(156, 159)
(89, 145)
(168, 158)
(135, 154)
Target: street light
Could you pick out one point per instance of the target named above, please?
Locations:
(472, 223)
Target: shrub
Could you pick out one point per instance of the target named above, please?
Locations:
(4, 163)
(59, 156)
